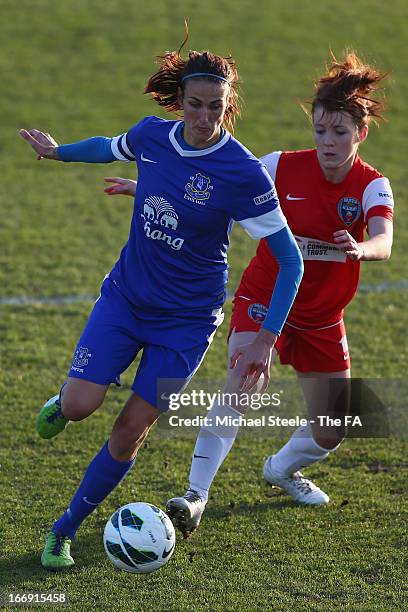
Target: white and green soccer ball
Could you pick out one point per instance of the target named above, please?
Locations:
(139, 538)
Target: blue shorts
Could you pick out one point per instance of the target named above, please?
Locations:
(173, 347)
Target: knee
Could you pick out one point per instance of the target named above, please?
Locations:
(76, 407)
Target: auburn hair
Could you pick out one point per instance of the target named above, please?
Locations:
(347, 87)
(165, 83)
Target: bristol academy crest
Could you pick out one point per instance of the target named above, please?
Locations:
(257, 312)
(349, 210)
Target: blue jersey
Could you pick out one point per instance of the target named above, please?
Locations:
(185, 204)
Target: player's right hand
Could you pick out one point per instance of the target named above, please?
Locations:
(121, 186)
(43, 144)
(254, 360)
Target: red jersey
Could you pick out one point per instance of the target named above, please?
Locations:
(315, 208)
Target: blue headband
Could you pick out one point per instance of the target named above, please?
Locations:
(205, 74)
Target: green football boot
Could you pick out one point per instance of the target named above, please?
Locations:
(56, 554)
(50, 420)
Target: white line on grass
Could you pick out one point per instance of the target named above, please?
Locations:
(61, 300)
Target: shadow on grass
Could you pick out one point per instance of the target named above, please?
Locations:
(25, 572)
(224, 511)
(15, 570)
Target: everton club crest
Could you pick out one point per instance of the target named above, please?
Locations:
(198, 189)
(81, 358)
(349, 210)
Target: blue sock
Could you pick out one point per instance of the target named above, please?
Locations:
(102, 476)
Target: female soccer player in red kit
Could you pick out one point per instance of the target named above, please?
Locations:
(329, 197)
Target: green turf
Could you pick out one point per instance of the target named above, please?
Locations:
(76, 69)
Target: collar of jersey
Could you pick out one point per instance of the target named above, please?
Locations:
(178, 134)
(195, 152)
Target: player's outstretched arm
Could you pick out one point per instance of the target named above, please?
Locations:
(95, 150)
(120, 186)
(43, 144)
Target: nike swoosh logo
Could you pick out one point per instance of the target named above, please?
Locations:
(289, 197)
(244, 297)
(199, 456)
(146, 159)
(167, 552)
(89, 502)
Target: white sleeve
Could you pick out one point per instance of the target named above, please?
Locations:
(271, 162)
(120, 148)
(272, 221)
(264, 225)
(377, 193)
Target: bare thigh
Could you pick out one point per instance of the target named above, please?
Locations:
(327, 395)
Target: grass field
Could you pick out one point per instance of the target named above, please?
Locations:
(77, 69)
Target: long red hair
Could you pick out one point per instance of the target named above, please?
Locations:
(348, 86)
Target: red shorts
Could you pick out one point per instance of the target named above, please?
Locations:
(308, 350)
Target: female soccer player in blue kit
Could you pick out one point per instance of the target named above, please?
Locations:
(194, 179)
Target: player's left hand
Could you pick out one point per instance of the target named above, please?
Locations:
(254, 360)
(346, 243)
(121, 186)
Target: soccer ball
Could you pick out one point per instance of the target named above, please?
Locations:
(139, 538)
